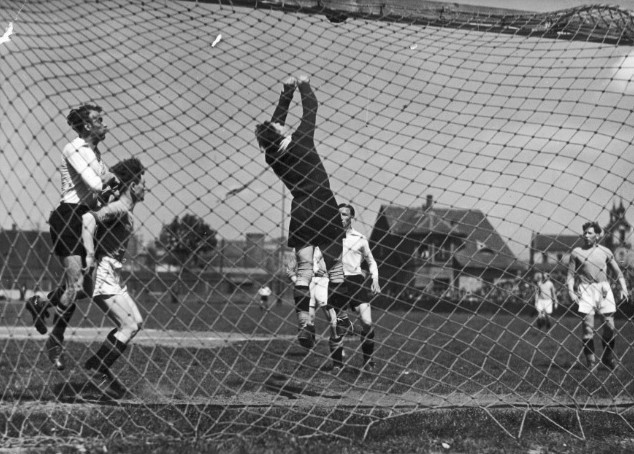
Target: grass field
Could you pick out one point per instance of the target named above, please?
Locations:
(474, 380)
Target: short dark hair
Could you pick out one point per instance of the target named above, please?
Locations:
(268, 137)
(128, 171)
(347, 205)
(595, 225)
(78, 118)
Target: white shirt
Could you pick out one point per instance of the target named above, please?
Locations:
(81, 172)
(319, 265)
(356, 249)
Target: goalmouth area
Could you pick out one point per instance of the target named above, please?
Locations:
(462, 134)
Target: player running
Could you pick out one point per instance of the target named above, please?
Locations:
(348, 294)
(589, 287)
(84, 177)
(545, 300)
(314, 214)
(111, 227)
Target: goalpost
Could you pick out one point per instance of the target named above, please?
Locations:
(473, 143)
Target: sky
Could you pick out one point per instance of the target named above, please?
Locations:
(536, 133)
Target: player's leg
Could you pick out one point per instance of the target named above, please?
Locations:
(608, 337)
(123, 311)
(587, 338)
(313, 303)
(337, 300)
(64, 302)
(301, 295)
(607, 309)
(548, 310)
(367, 335)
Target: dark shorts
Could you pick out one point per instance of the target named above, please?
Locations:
(314, 222)
(65, 225)
(348, 294)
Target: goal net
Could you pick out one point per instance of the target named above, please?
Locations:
(473, 143)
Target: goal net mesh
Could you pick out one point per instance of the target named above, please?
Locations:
(473, 146)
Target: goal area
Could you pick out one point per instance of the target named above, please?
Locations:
(473, 142)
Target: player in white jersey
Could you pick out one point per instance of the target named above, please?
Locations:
(84, 177)
(264, 293)
(318, 295)
(589, 287)
(112, 227)
(350, 294)
(545, 299)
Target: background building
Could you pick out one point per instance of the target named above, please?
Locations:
(439, 249)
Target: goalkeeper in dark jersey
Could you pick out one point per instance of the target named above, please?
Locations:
(315, 219)
(110, 229)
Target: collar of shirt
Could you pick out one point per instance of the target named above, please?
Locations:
(353, 232)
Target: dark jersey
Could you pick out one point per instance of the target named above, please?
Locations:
(315, 217)
(114, 229)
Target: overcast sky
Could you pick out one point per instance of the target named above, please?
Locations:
(535, 133)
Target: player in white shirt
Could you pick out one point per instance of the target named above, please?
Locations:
(318, 294)
(589, 287)
(85, 178)
(545, 299)
(264, 293)
(350, 294)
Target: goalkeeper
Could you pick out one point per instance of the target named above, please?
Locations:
(315, 217)
(84, 177)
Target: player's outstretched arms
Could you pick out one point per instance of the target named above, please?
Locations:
(289, 83)
(281, 111)
(309, 105)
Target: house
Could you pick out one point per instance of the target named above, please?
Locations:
(439, 249)
(550, 253)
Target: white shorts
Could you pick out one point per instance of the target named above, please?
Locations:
(108, 278)
(544, 305)
(597, 297)
(319, 291)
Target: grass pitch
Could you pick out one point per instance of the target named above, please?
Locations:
(441, 376)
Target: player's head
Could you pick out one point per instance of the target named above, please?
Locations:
(346, 211)
(591, 232)
(130, 174)
(87, 122)
(538, 277)
(271, 136)
(546, 277)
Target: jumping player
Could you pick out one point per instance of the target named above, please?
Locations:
(112, 226)
(545, 300)
(314, 214)
(348, 294)
(589, 287)
(84, 177)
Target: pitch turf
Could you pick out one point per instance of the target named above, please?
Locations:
(464, 363)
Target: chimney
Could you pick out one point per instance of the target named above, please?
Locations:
(429, 203)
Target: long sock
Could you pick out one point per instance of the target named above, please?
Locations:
(588, 348)
(336, 350)
(111, 349)
(61, 322)
(301, 295)
(367, 344)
